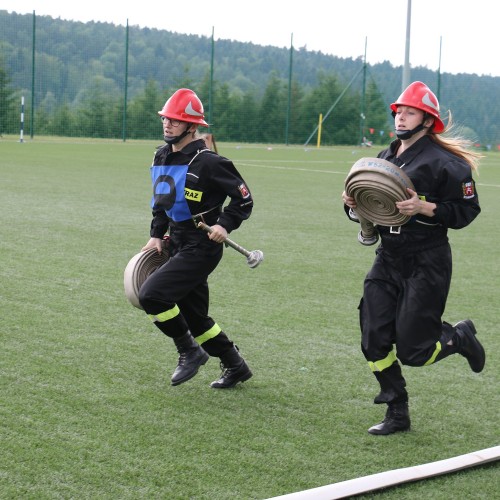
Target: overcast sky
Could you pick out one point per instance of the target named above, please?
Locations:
(463, 33)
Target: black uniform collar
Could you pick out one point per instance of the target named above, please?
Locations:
(189, 149)
(193, 146)
(409, 154)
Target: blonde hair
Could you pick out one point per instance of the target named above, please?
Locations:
(457, 145)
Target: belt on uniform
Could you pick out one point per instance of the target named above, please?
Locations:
(205, 217)
(408, 228)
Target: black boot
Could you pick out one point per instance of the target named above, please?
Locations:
(191, 357)
(468, 345)
(397, 419)
(234, 370)
(392, 385)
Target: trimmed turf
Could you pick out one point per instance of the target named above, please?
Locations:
(87, 410)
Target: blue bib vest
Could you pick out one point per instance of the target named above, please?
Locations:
(169, 182)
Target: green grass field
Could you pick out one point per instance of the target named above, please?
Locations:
(87, 409)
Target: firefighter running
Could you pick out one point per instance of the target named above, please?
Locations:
(406, 289)
(191, 184)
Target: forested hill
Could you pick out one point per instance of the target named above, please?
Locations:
(70, 56)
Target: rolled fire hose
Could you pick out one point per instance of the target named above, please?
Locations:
(376, 185)
(139, 268)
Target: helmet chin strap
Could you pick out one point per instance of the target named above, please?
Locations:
(406, 134)
(176, 138)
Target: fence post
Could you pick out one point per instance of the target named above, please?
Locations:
(33, 77)
(21, 133)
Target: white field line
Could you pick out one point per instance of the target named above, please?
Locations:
(278, 167)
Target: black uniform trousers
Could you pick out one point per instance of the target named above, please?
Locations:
(176, 296)
(403, 301)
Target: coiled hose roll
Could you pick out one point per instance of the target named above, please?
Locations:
(376, 185)
(138, 270)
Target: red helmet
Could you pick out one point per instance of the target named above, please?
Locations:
(418, 95)
(184, 105)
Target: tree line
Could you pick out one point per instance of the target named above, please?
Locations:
(237, 117)
(257, 94)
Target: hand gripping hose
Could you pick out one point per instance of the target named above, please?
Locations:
(376, 185)
(138, 269)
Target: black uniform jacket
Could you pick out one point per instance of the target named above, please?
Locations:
(438, 177)
(216, 178)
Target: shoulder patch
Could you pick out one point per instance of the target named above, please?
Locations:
(468, 190)
(244, 191)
